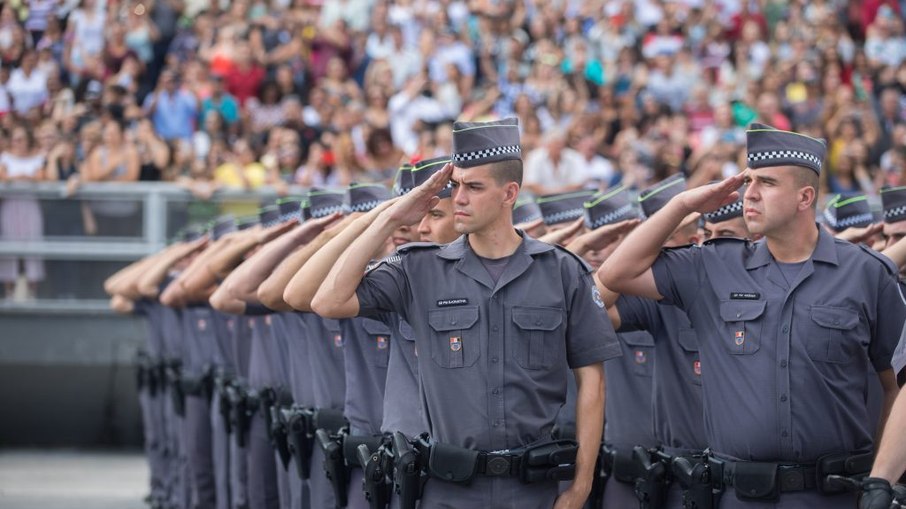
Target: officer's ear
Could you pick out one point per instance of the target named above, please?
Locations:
(511, 192)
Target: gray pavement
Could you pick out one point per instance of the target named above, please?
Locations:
(38, 479)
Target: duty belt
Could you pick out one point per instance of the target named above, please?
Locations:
(547, 461)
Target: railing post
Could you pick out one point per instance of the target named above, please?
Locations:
(155, 220)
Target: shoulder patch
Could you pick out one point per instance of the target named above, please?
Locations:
(582, 263)
(412, 246)
(885, 261)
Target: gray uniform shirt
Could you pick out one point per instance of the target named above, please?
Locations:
(200, 340)
(402, 406)
(300, 381)
(151, 311)
(325, 360)
(172, 330)
(494, 358)
(784, 369)
(677, 382)
(628, 388)
(366, 353)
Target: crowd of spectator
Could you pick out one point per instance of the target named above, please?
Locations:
(246, 93)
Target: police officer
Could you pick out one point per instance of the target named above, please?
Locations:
(628, 385)
(527, 215)
(893, 202)
(727, 221)
(784, 351)
(498, 319)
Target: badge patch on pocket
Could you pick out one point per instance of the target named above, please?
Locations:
(337, 340)
(697, 368)
(455, 343)
(381, 343)
(740, 337)
(640, 357)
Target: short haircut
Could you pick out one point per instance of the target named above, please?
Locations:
(507, 171)
(806, 177)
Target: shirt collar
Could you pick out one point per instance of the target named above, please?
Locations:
(457, 249)
(824, 251)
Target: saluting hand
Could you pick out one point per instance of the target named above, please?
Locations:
(313, 227)
(560, 236)
(711, 197)
(859, 235)
(411, 208)
(598, 239)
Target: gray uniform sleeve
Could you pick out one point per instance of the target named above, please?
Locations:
(677, 274)
(637, 313)
(383, 289)
(589, 336)
(888, 326)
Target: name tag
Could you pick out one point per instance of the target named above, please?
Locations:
(744, 296)
(445, 303)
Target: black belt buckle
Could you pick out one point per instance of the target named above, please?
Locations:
(498, 465)
(792, 478)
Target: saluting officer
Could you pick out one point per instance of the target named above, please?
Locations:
(788, 326)
(498, 319)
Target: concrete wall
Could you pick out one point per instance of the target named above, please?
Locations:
(66, 379)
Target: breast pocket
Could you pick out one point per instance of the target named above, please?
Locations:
(456, 341)
(742, 325)
(641, 349)
(834, 337)
(334, 335)
(692, 369)
(536, 345)
(378, 341)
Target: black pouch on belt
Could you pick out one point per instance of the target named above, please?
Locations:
(550, 461)
(453, 464)
(848, 465)
(756, 481)
(327, 419)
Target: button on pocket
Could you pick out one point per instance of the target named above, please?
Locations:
(833, 340)
(742, 325)
(641, 349)
(456, 339)
(535, 342)
(378, 341)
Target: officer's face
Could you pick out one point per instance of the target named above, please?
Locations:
(479, 200)
(404, 235)
(894, 232)
(735, 227)
(774, 197)
(437, 225)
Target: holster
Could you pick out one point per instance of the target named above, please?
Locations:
(409, 468)
(377, 466)
(240, 413)
(300, 437)
(279, 436)
(599, 481)
(221, 384)
(652, 483)
(695, 480)
(335, 463)
(849, 465)
(619, 464)
(178, 396)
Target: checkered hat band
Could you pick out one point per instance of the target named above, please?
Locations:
(895, 212)
(612, 217)
(362, 207)
(529, 218)
(562, 216)
(486, 153)
(326, 211)
(726, 210)
(292, 215)
(785, 155)
(857, 220)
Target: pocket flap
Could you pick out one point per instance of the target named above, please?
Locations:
(453, 319)
(546, 319)
(834, 318)
(688, 340)
(375, 327)
(453, 464)
(637, 338)
(331, 324)
(406, 331)
(756, 481)
(741, 310)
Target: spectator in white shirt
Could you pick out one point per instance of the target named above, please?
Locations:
(27, 85)
(555, 168)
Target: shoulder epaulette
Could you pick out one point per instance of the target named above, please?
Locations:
(417, 245)
(885, 261)
(718, 240)
(582, 263)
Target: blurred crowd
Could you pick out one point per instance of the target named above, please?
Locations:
(246, 93)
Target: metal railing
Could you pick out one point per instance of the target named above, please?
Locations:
(100, 228)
